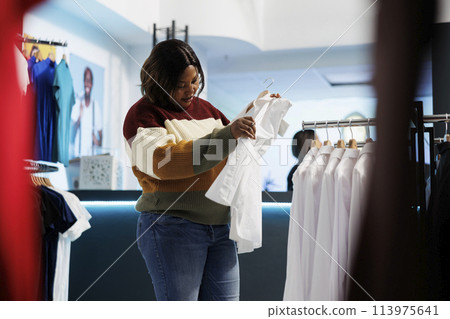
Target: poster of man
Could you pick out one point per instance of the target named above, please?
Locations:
(87, 113)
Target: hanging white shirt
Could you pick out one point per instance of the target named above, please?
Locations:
(61, 281)
(239, 183)
(313, 184)
(343, 190)
(360, 184)
(320, 285)
(294, 286)
(90, 123)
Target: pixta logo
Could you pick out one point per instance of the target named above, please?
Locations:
(205, 150)
(143, 146)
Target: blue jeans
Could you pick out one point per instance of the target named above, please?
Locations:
(188, 261)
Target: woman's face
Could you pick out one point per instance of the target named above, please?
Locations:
(187, 86)
(88, 83)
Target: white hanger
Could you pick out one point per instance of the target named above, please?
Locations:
(352, 143)
(340, 143)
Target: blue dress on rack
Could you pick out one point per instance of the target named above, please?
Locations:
(42, 76)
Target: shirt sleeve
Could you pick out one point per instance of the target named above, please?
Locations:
(98, 116)
(158, 154)
(75, 111)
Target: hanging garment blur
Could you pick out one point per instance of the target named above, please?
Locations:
(294, 286)
(322, 202)
(64, 219)
(239, 183)
(52, 87)
(438, 214)
(322, 261)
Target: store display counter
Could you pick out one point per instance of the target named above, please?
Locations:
(106, 263)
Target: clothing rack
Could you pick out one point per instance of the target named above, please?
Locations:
(39, 41)
(170, 32)
(418, 132)
(436, 118)
(338, 123)
(36, 167)
(418, 156)
(418, 147)
(417, 150)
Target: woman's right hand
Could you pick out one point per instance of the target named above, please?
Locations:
(243, 127)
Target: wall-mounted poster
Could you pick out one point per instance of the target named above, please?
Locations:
(86, 134)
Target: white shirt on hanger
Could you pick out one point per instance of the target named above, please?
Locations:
(239, 183)
(360, 184)
(320, 285)
(343, 190)
(313, 184)
(294, 286)
(61, 282)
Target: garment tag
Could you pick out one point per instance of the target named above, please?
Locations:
(283, 127)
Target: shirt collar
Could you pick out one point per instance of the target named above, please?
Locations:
(337, 153)
(326, 149)
(369, 148)
(351, 153)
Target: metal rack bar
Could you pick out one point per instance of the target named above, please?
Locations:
(39, 41)
(430, 131)
(170, 32)
(154, 34)
(343, 123)
(358, 144)
(173, 29)
(421, 149)
(435, 118)
(367, 122)
(35, 167)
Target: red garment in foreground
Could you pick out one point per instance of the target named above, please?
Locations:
(20, 226)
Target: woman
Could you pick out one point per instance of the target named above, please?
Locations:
(298, 151)
(178, 145)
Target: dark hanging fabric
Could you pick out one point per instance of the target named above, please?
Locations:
(390, 263)
(57, 218)
(42, 77)
(439, 232)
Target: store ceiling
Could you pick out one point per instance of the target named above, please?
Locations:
(239, 67)
(100, 17)
(309, 84)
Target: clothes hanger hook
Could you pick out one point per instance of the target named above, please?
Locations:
(351, 131)
(339, 130)
(269, 78)
(446, 123)
(368, 128)
(326, 128)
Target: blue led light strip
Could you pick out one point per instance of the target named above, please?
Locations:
(133, 203)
